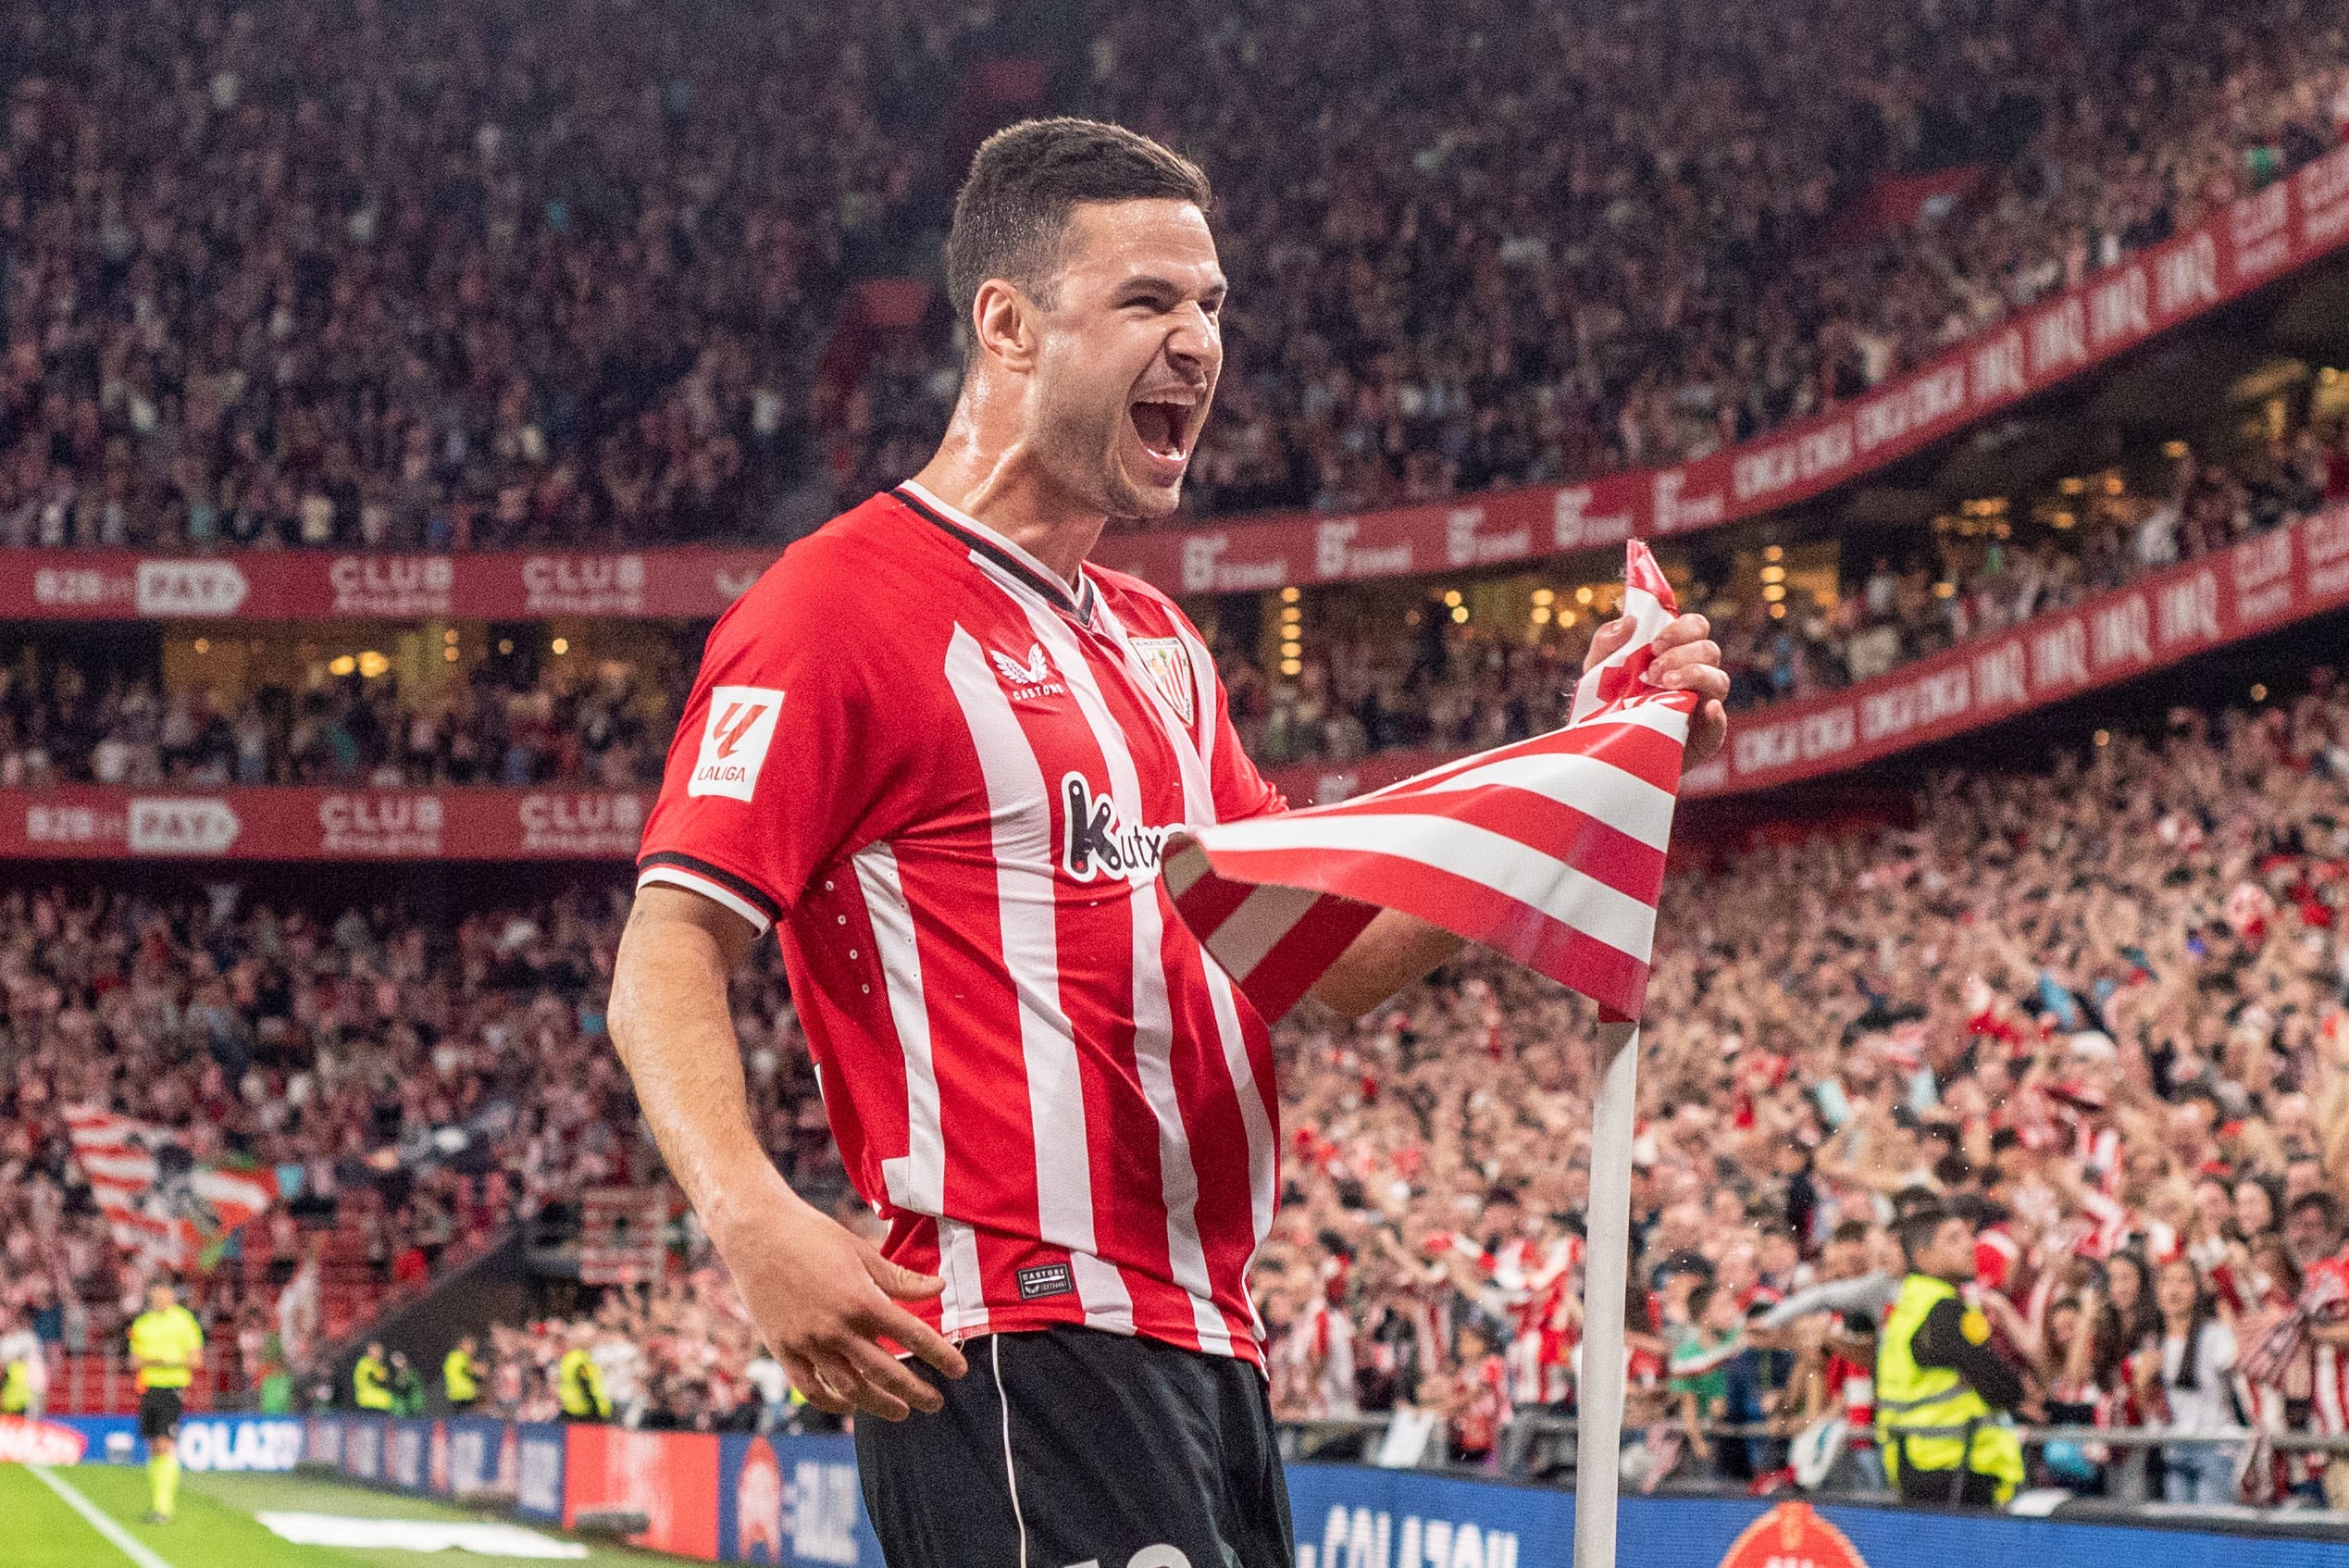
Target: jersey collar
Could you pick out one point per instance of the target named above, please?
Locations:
(1003, 552)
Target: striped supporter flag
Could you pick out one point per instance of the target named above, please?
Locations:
(164, 1208)
(1550, 851)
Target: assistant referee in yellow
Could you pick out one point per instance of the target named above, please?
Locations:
(167, 1351)
(1940, 1388)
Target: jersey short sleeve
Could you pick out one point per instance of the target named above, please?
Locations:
(775, 763)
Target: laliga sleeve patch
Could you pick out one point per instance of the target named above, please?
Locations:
(1975, 1326)
(734, 741)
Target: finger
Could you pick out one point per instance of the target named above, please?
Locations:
(1709, 681)
(903, 1283)
(1683, 630)
(860, 1383)
(808, 1381)
(868, 1395)
(1706, 735)
(1675, 667)
(921, 1338)
(883, 1372)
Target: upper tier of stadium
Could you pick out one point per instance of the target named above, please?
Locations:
(425, 276)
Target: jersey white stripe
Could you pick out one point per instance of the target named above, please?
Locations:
(1199, 799)
(916, 1180)
(717, 892)
(1509, 867)
(1028, 905)
(962, 1308)
(1152, 1012)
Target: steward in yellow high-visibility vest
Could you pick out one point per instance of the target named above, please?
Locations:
(460, 1375)
(166, 1351)
(372, 1382)
(579, 1387)
(1940, 1388)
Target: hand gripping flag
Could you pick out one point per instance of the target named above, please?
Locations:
(164, 1208)
(1550, 851)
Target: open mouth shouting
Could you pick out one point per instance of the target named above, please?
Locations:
(1166, 424)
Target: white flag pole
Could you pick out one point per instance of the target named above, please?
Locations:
(1606, 1282)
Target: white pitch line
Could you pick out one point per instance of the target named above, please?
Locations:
(130, 1545)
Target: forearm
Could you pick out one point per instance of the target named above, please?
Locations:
(669, 1020)
(1393, 950)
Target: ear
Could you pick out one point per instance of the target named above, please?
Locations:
(1003, 324)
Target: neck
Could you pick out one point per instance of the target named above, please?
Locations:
(987, 467)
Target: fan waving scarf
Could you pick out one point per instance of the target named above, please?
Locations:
(1550, 851)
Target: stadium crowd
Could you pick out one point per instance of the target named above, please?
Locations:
(428, 275)
(417, 1084)
(1362, 686)
(2099, 1010)
(606, 723)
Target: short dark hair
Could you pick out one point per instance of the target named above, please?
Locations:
(2325, 1202)
(1026, 179)
(1918, 1227)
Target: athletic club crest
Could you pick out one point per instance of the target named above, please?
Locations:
(1168, 664)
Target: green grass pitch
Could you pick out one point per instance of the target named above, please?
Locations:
(216, 1528)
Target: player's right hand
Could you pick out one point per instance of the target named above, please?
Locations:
(822, 1297)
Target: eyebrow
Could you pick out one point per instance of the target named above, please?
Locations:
(1167, 287)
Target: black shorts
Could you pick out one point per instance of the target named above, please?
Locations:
(1071, 1445)
(159, 1413)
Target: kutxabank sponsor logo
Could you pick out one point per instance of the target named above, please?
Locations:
(1096, 839)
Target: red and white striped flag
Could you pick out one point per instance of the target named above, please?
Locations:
(1550, 851)
(164, 1208)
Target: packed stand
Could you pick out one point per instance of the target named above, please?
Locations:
(432, 275)
(1482, 244)
(605, 723)
(421, 275)
(1363, 687)
(418, 1083)
(2099, 1013)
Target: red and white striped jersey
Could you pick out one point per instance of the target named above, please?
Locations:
(946, 777)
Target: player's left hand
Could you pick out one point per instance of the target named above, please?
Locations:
(1687, 659)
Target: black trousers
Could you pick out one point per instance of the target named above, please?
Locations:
(1932, 1486)
(159, 1414)
(1071, 1446)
